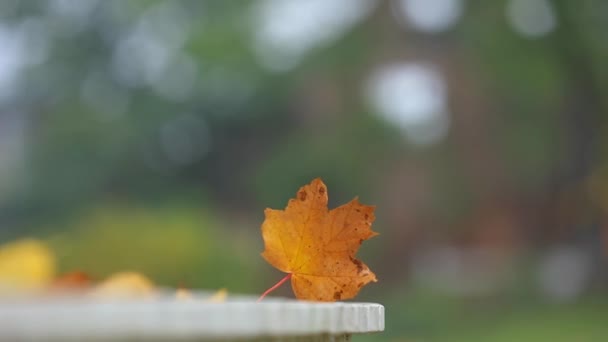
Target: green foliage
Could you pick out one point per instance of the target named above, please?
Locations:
(173, 245)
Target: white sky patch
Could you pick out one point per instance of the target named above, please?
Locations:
(531, 18)
(286, 30)
(21, 45)
(413, 97)
(430, 16)
(143, 56)
(11, 60)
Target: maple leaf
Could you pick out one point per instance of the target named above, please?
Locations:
(317, 246)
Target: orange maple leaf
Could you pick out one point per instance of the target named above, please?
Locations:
(317, 246)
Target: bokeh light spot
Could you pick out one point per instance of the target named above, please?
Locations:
(430, 16)
(286, 30)
(531, 18)
(413, 97)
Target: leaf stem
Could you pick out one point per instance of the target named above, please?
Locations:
(274, 287)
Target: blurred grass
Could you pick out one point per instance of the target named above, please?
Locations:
(173, 245)
(423, 316)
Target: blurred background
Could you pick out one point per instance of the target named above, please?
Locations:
(151, 135)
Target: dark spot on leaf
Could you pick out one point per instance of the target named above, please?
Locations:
(357, 263)
(366, 216)
(338, 295)
(302, 195)
(359, 285)
(360, 241)
(321, 190)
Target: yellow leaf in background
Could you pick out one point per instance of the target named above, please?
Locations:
(182, 293)
(219, 296)
(125, 285)
(25, 265)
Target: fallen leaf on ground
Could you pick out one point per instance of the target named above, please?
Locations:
(25, 265)
(125, 285)
(182, 293)
(219, 296)
(317, 246)
(75, 280)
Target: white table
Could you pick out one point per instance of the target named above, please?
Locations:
(168, 318)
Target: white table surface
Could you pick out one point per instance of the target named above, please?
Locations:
(193, 318)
